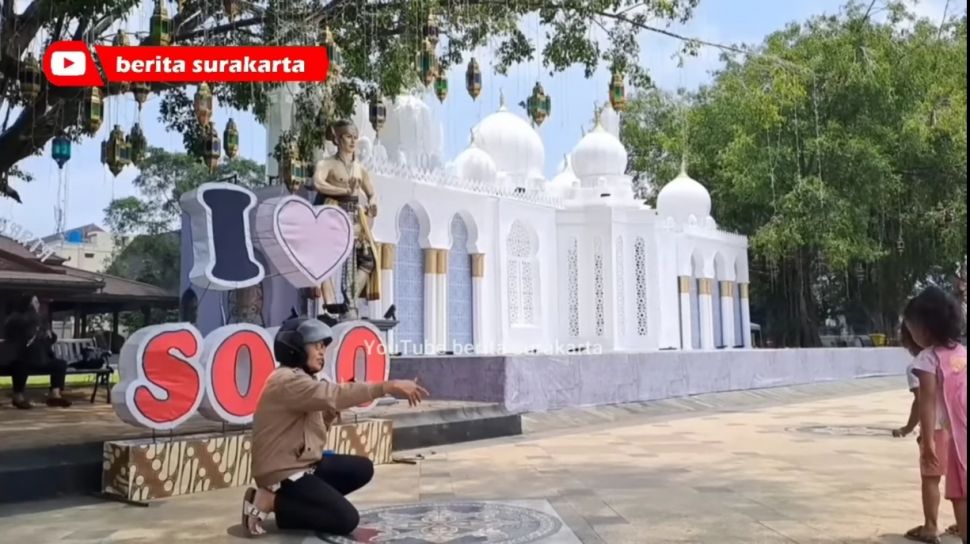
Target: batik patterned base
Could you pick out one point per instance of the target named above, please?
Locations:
(458, 523)
(143, 470)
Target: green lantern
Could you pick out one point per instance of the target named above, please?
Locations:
(539, 104)
(93, 110)
(159, 27)
(61, 149)
(473, 79)
(441, 87)
(617, 92)
(202, 104)
(230, 139)
(120, 40)
(427, 64)
(29, 78)
(137, 144)
(377, 112)
(334, 56)
(114, 151)
(213, 147)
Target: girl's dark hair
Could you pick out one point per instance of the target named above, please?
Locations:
(934, 310)
(906, 340)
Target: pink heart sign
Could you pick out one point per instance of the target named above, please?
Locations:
(306, 244)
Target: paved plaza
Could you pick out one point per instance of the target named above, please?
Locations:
(821, 470)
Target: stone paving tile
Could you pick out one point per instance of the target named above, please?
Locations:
(741, 477)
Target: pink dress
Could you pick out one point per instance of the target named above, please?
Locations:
(952, 375)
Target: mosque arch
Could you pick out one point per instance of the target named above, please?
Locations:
(720, 274)
(697, 273)
(409, 283)
(459, 299)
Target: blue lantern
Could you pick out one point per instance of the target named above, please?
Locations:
(61, 149)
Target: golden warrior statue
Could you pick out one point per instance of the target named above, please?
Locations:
(339, 181)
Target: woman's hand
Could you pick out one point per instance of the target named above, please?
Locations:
(902, 432)
(407, 389)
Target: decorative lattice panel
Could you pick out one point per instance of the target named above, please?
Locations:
(409, 285)
(640, 264)
(460, 311)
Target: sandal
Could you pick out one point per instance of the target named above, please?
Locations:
(952, 530)
(916, 534)
(252, 517)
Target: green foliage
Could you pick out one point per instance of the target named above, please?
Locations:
(841, 150)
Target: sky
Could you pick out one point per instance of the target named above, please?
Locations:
(91, 187)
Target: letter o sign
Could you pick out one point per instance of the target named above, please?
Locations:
(237, 360)
(357, 355)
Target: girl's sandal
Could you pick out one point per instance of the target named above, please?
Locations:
(952, 530)
(252, 517)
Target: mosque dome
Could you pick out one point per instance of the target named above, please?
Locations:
(411, 130)
(512, 143)
(599, 154)
(566, 178)
(474, 164)
(684, 198)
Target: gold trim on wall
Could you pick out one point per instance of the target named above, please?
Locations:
(744, 290)
(727, 289)
(478, 265)
(704, 286)
(430, 261)
(683, 283)
(388, 253)
(442, 261)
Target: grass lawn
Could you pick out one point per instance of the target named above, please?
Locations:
(37, 382)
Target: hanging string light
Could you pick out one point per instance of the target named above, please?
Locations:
(230, 139)
(538, 105)
(137, 144)
(93, 110)
(617, 92)
(213, 147)
(202, 104)
(114, 151)
(473, 79)
(159, 27)
(29, 78)
(120, 87)
(61, 149)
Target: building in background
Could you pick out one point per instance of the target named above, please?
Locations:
(87, 248)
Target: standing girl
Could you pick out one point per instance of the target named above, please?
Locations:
(933, 318)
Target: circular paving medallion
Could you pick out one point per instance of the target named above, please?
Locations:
(451, 523)
(843, 430)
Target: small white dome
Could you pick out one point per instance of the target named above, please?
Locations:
(473, 164)
(598, 154)
(512, 143)
(683, 199)
(411, 130)
(566, 178)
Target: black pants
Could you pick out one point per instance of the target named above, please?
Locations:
(317, 502)
(30, 361)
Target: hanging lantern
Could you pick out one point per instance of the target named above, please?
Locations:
(120, 40)
(93, 110)
(617, 92)
(426, 65)
(538, 104)
(333, 52)
(114, 151)
(441, 87)
(61, 149)
(29, 78)
(213, 147)
(292, 171)
(141, 90)
(159, 27)
(377, 112)
(473, 79)
(431, 30)
(900, 245)
(137, 144)
(230, 139)
(203, 104)
(232, 8)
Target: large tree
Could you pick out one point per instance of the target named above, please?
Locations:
(839, 146)
(379, 39)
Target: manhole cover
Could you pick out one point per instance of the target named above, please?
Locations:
(844, 430)
(451, 523)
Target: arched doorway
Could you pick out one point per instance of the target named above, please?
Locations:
(461, 318)
(409, 285)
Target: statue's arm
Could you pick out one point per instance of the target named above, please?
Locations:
(368, 188)
(320, 183)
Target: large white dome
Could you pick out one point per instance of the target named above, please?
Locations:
(473, 164)
(512, 143)
(599, 154)
(684, 197)
(411, 131)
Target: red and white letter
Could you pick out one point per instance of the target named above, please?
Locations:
(237, 361)
(357, 354)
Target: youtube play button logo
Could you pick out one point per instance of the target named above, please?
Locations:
(69, 64)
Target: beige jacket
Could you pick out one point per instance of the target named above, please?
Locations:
(292, 418)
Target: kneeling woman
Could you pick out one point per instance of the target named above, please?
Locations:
(305, 489)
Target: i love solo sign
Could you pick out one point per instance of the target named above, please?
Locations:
(170, 372)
